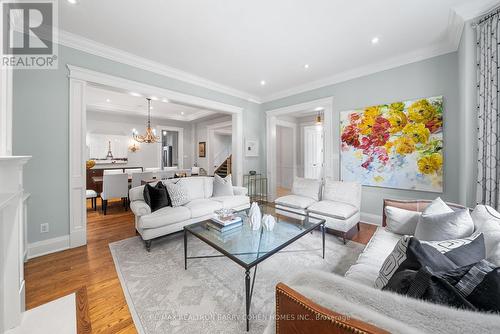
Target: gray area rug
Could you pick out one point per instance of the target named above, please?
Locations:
(209, 297)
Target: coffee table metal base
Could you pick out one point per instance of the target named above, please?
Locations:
(248, 285)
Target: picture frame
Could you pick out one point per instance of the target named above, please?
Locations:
(251, 148)
(202, 149)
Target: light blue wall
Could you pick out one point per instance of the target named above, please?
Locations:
(431, 77)
(40, 129)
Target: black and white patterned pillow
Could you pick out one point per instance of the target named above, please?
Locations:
(410, 253)
(178, 194)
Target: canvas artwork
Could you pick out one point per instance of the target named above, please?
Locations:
(202, 148)
(397, 145)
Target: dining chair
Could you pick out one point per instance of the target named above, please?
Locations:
(114, 186)
(112, 171)
(131, 171)
(195, 170)
(92, 195)
(138, 177)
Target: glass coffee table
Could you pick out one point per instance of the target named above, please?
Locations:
(247, 247)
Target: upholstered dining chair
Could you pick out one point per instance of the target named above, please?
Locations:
(92, 195)
(112, 171)
(114, 186)
(131, 171)
(138, 177)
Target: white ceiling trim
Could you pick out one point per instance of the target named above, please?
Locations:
(102, 50)
(91, 76)
(134, 112)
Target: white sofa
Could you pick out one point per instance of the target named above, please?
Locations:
(169, 219)
(339, 203)
(354, 294)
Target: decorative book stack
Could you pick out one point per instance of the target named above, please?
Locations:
(225, 224)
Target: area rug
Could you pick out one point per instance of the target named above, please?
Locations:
(209, 297)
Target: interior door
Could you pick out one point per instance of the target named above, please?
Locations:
(313, 152)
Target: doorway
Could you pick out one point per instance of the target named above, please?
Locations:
(79, 81)
(320, 161)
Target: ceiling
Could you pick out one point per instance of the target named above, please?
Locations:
(232, 45)
(108, 100)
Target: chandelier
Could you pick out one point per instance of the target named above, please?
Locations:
(150, 136)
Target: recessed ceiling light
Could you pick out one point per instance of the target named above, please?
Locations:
(154, 98)
(164, 100)
(263, 82)
(318, 109)
(108, 100)
(375, 40)
(73, 2)
(306, 66)
(164, 132)
(182, 113)
(135, 94)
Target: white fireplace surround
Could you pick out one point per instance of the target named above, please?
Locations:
(12, 241)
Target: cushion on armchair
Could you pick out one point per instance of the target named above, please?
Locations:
(306, 188)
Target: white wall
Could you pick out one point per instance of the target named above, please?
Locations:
(148, 154)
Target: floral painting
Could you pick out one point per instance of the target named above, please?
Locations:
(397, 145)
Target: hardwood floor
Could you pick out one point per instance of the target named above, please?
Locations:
(52, 276)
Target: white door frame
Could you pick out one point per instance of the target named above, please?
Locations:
(180, 144)
(293, 126)
(210, 132)
(271, 122)
(79, 78)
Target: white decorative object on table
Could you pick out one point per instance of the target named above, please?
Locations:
(255, 216)
(268, 222)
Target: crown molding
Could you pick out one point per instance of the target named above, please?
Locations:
(359, 72)
(98, 49)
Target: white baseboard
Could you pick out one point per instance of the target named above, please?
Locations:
(48, 246)
(370, 218)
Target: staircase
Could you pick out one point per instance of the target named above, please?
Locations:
(225, 167)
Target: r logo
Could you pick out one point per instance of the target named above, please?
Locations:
(36, 22)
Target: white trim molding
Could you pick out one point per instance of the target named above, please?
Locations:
(79, 79)
(105, 51)
(48, 246)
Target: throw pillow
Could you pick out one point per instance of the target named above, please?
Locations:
(475, 286)
(156, 197)
(223, 186)
(445, 226)
(178, 193)
(410, 253)
(483, 214)
(437, 206)
(401, 221)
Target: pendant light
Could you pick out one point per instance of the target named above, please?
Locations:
(150, 136)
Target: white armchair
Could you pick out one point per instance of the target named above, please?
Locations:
(114, 186)
(305, 192)
(340, 206)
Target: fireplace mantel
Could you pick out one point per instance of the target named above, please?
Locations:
(11, 241)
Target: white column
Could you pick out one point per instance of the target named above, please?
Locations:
(237, 144)
(77, 170)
